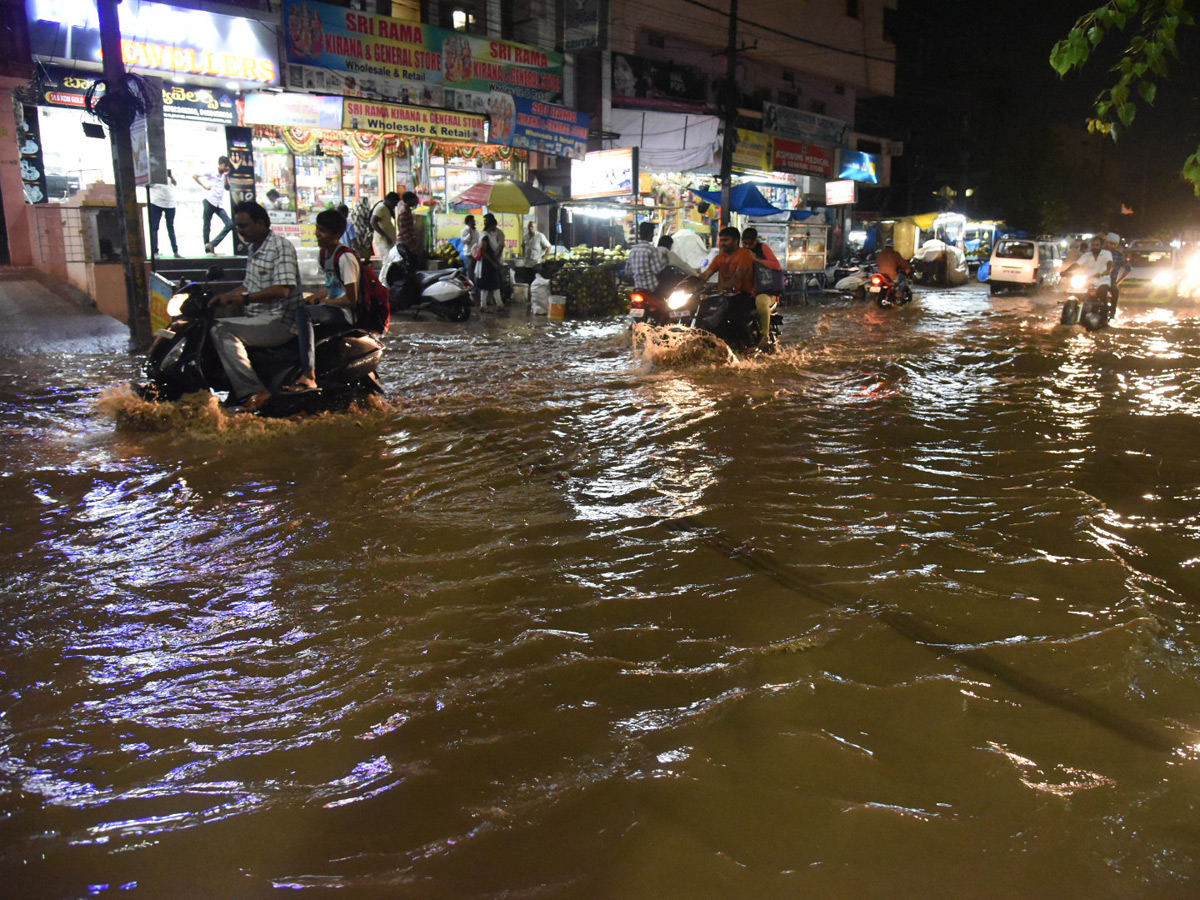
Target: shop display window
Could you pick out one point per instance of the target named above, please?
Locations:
(318, 183)
(72, 161)
(360, 179)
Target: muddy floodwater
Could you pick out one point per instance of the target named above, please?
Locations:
(908, 610)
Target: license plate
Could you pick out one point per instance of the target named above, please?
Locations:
(874, 290)
(637, 313)
(679, 315)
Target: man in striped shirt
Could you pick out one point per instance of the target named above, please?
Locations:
(270, 295)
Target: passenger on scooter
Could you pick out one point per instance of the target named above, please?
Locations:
(1097, 264)
(270, 294)
(645, 263)
(763, 301)
(1120, 270)
(331, 305)
(889, 262)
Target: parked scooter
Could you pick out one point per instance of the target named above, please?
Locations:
(886, 292)
(690, 306)
(444, 292)
(1087, 303)
(183, 359)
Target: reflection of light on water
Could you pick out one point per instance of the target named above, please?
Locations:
(1060, 781)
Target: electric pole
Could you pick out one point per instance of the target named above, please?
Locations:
(729, 109)
(129, 217)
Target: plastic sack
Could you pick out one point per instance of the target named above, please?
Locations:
(539, 296)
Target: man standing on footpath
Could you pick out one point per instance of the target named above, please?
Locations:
(645, 262)
(162, 205)
(270, 294)
(406, 229)
(383, 224)
(214, 203)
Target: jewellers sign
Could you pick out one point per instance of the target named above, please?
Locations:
(157, 38)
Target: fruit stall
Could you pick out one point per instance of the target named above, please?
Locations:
(590, 279)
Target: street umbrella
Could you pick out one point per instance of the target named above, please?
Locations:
(503, 196)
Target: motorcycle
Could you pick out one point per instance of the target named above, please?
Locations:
(444, 292)
(1086, 304)
(183, 359)
(690, 306)
(886, 292)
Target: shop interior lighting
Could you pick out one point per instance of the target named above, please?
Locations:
(232, 86)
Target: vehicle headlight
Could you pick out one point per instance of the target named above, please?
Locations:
(679, 299)
(1193, 265)
(175, 304)
(1161, 279)
(1079, 282)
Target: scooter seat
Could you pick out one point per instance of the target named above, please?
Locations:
(424, 279)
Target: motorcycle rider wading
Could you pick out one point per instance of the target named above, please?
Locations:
(270, 294)
(734, 267)
(1097, 264)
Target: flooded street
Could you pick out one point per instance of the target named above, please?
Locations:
(910, 609)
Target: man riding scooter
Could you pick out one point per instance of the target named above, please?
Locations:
(270, 294)
(890, 263)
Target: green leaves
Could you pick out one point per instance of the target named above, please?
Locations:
(1155, 26)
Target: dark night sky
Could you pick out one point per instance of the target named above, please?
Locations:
(976, 77)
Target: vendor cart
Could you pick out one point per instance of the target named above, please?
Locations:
(801, 248)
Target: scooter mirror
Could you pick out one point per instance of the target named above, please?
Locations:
(215, 273)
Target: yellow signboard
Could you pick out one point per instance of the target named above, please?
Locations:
(411, 121)
(755, 150)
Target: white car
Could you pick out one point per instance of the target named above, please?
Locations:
(1024, 263)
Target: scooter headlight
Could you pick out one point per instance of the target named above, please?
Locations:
(175, 304)
(678, 299)
(1079, 282)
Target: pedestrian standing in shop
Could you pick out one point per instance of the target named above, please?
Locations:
(162, 206)
(491, 264)
(214, 203)
(406, 228)
(470, 241)
(537, 245)
(383, 224)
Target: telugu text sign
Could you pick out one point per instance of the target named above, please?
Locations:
(411, 121)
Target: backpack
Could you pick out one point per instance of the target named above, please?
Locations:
(373, 312)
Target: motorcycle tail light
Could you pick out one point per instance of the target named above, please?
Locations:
(875, 279)
(637, 298)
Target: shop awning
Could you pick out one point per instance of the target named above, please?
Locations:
(666, 142)
(924, 221)
(745, 199)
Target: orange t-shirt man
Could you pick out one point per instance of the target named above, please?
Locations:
(734, 265)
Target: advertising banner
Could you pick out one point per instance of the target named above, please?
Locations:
(411, 121)
(581, 25)
(655, 84)
(158, 38)
(29, 144)
(838, 193)
(802, 158)
(798, 125)
(753, 151)
(331, 48)
(859, 166)
(240, 144)
(543, 127)
(604, 173)
(294, 110)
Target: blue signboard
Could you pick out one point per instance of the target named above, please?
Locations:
(543, 127)
(858, 166)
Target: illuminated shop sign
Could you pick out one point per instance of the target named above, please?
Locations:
(294, 110)
(158, 38)
(803, 158)
(839, 192)
(858, 166)
(604, 173)
(63, 87)
(533, 125)
(332, 49)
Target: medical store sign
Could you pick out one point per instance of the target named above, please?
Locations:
(158, 38)
(411, 121)
(802, 158)
(337, 50)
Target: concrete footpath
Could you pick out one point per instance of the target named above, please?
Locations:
(38, 316)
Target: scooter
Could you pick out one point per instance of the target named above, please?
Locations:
(886, 292)
(690, 306)
(444, 292)
(1085, 305)
(183, 359)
